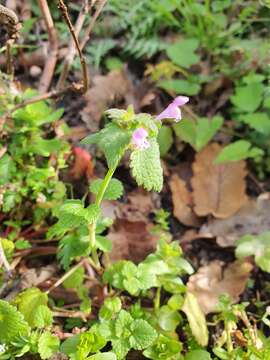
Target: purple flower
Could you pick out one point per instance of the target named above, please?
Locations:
(139, 139)
(172, 111)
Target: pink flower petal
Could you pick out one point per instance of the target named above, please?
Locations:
(171, 112)
(139, 139)
(180, 100)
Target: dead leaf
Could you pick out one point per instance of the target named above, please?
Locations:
(211, 281)
(83, 164)
(106, 89)
(217, 189)
(182, 202)
(131, 240)
(253, 218)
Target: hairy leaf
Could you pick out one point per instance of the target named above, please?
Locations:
(113, 192)
(146, 167)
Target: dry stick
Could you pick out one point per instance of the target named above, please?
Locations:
(65, 276)
(48, 95)
(50, 64)
(71, 48)
(92, 23)
(3, 259)
(64, 11)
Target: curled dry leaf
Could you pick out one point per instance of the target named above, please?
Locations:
(83, 164)
(182, 202)
(211, 281)
(217, 189)
(253, 218)
(106, 89)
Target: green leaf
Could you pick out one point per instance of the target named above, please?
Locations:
(142, 335)
(112, 140)
(182, 53)
(42, 317)
(114, 190)
(198, 133)
(180, 86)
(168, 319)
(103, 356)
(104, 244)
(12, 323)
(198, 355)
(146, 167)
(123, 322)
(48, 345)
(258, 121)
(256, 245)
(248, 98)
(45, 147)
(186, 130)
(70, 345)
(28, 301)
(238, 150)
(206, 129)
(7, 169)
(165, 140)
(70, 247)
(196, 319)
(75, 280)
(164, 348)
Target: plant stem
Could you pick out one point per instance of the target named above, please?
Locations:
(157, 299)
(99, 197)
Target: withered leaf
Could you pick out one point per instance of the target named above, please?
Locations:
(131, 240)
(217, 189)
(211, 281)
(106, 89)
(253, 218)
(182, 202)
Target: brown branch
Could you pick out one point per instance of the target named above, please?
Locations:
(51, 61)
(65, 14)
(49, 95)
(71, 48)
(89, 30)
(9, 20)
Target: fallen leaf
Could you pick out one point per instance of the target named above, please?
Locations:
(106, 89)
(131, 240)
(33, 277)
(217, 189)
(83, 164)
(253, 218)
(211, 281)
(182, 202)
(196, 319)
(131, 232)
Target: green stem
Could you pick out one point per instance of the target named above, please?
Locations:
(99, 197)
(157, 299)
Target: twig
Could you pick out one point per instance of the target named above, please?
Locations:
(92, 23)
(64, 11)
(50, 63)
(65, 276)
(49, 95)
(71, 48)
(3, 259)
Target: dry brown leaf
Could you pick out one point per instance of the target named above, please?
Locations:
(182, 202)
(253, 218)
(130, 234)
(106, 89)
(211, 281)
(217, 189)
(131, 240)
(83, 164)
